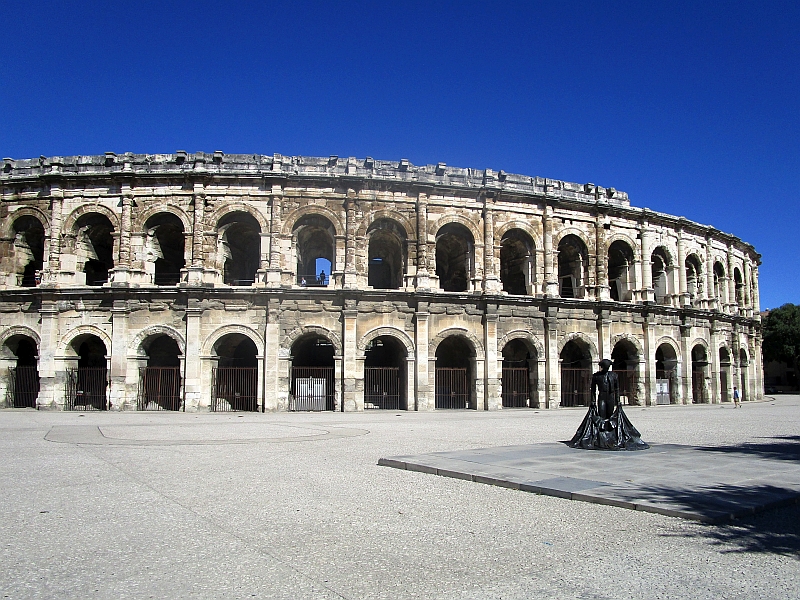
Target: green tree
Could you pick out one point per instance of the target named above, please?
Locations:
(781, 330)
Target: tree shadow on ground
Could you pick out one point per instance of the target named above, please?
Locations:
(785, 447)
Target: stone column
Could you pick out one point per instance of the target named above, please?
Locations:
(424, 401)
(119, 356)
(493, 382)
(648, 293)
(53, 267)
(350, 340)
(710, 296)
(272, 331)
(714, 366)
(195, 270)
(51, 384)
(604, 348)
(491, 282)
(350, 275)
(686, 360)
(649, 359)
(601, 257)
(733, 305)
(550, 261)
(423, 275)
(756, 300)
(275, 226)
(748, 300)
(194, 395)
(682, 289)
(552, 370)
(123, 264)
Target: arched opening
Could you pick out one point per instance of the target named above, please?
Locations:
(454, 257)
(94, 247)
(28, 250)
(573, 267)
(21, 356)
(519, 375)
(517, 263)
(576, 373)
(694, 281)
(666, 374)
(743, 364)
(661, 270)
(699, 374)
(719, 284)
(385, 374)
(620, 271)
(235, 377)
(160, 380)
(164, 248)
(724, 375)
(625, 363)
(386, 255)
(86, 385)
(315, 244)
(455, 374)
(739, 285)
(238, 248)
(313, 372)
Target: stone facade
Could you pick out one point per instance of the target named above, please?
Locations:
(192, 281)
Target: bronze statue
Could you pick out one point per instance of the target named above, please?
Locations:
(606, 427)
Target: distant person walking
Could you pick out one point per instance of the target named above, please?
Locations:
(736, 403)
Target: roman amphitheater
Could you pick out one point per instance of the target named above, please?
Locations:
(222, 282)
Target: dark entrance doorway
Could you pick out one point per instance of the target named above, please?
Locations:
(576, 374)
(234, 384)
(160, 380)
(699, 368)
(23, 382)
(625, 359)
(86, 386)
(455, 384)
(518, 384)
(385, 374)
(666, 374)
(313, 380)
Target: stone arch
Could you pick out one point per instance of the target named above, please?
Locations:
(219, 333)
(75, 332)
(150, 211)
(622, 237)
(676, 348)
(701, 342)
(390, 215)
(22, 330)
(460, 331)
(524, 226)
(521, 334)
(311, 209)
(579, 337)
(25, 211)
(135, 346)
(288, 341)
(85, 209)
(667, 251)
(578, 233)
(231, 207)
(477, 235)
(392, 332)
(629, 338)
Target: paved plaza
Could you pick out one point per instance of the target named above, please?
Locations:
(242, 505)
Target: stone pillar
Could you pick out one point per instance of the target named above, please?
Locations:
(682, 289)
(649, 359)
(338, 361)
(423, 275)
(552, 365)
(710, 296)
(424, 399)
(648, 293)
(51, 384)
(119, 357)
(493, 377)
(411, 370)
(195, 270)
(733, 304)
(275, 226)
(756, 300)
(604, 321)
(123, 264)
(350, 340)
(350, 279)
(272, 330)
(748, 301)
(491, 282)
(714, 366)
(601, 258)
(550, 255)
(194, 395)
(686, 360)
(53, 267)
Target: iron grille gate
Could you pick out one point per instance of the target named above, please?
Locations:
(234, 389)
(23, 386)
(312, 389)
(515, 387)
(698, 387)
(575, 387)
(663, 387)
(159, 388)
(382, 387)
(85, 389)
(628, 386)
(451, 388)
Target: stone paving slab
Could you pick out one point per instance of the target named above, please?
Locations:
(702, 484)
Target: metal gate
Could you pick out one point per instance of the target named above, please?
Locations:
(575, 387)
(313, 388)
(723, 386)
(159, 388)
(515, 387)
(234, 389)
(452, 390)
(664, 387)
(85, 389)
(23, 386)
(382, 388)
(698, 387)
(628, 386)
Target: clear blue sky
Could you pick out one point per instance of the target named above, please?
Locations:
(693, 108)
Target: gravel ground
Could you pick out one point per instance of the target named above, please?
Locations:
(284, 515)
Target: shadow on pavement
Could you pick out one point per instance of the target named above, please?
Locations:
(782, 448)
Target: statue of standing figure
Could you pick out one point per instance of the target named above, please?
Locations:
(605, 426)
